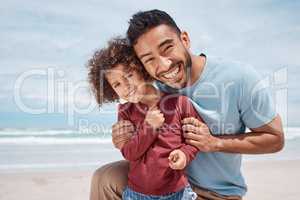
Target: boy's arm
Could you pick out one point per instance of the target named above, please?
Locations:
(140, 142)
(186, 109)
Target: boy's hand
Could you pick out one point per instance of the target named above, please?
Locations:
(155, 118)
(177, 160)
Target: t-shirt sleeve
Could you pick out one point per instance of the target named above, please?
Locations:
(256, 103)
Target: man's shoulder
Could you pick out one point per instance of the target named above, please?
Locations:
(221, 69)
(232, 67)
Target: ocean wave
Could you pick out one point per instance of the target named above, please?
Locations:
(75, 137)
(44, 141)
(292, 133)
(35, 132)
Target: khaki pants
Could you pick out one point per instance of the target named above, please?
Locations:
(110, 180)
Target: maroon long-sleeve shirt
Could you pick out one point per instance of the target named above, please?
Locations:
(149, 149)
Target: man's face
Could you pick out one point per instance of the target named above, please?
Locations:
(164, 55)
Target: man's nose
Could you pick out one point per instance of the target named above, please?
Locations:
(163, 65)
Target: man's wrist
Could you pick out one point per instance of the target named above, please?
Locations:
(219, 145)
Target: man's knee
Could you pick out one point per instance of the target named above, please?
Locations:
(112, 173)
(110, 179)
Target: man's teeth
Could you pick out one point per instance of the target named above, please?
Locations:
(172, 74)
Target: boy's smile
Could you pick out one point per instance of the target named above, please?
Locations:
(127, 83)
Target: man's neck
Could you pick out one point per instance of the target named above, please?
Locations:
(198, 64)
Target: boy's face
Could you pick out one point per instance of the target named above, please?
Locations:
(165, 55)
(127, 82)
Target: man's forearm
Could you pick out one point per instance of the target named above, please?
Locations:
(268, 138)
(251, 143)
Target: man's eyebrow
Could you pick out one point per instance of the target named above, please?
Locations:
(165, 42)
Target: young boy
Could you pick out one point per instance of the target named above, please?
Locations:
(157, 153)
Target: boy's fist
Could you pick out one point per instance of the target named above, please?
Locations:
(177, 159)
(155, 118)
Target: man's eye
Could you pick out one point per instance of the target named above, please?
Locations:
(148, 60)
(129, 75)
(168, 47)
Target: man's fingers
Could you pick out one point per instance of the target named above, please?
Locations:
(193, 121)
(192, 136)
(121, 139)
(122, 131)
(203, 130)
(122, 123)
(126, 136)
(193, 143)
(190, 128)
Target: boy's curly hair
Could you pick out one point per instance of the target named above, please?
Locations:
(117, 52)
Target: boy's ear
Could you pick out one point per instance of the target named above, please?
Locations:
(185, 39)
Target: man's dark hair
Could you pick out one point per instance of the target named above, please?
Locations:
(143, 21)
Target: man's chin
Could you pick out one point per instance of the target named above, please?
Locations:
(177, 85)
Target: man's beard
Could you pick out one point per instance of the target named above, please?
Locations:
(187, 68)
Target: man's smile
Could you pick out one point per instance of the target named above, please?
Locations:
(172, 73)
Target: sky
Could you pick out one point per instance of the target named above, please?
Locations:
(42, 41)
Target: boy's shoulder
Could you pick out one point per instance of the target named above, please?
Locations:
(174, 100)
(127, 106)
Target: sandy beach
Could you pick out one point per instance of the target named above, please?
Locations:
(267, 180)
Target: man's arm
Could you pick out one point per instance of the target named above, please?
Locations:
(268, 138)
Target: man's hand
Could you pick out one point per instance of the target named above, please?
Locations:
(197, 133)
(155, 118)
(177, 160)
(122, 131)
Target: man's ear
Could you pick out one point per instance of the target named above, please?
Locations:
(185, 39)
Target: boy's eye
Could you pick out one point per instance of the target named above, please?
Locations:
(116, 85)
(129, 75)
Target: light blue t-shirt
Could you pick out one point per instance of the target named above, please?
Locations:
(229, 96)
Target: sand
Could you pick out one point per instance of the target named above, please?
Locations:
(266, 180)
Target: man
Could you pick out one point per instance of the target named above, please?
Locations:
(229, 97)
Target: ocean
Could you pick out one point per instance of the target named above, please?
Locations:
(28, 149)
